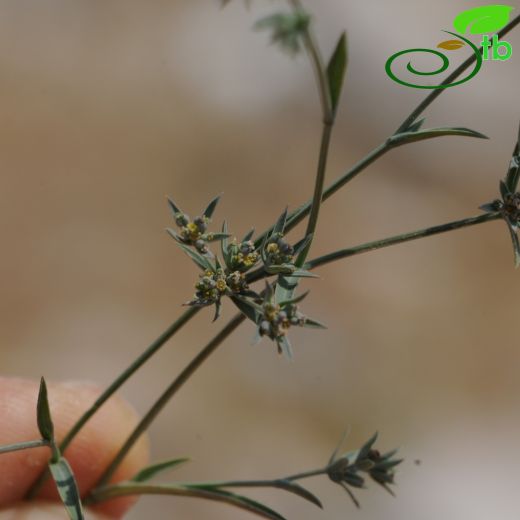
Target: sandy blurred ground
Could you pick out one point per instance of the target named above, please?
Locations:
(108, 106)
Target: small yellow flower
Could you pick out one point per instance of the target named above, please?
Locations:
(250, 259)
(193, 229)
(221, 285)
(272, 248)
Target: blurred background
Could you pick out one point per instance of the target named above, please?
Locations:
(109, 106)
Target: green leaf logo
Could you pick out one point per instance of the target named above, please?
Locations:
(483, 19)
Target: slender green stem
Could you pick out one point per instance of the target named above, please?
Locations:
(318, 68)
(398, 239)
(23, 446)
(306, 474)
(430, 98)
(318, 191)
(168, 394)
(258, 483)
(115, 385)
(328, 122)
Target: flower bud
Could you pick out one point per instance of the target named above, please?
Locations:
(201, 224)
(264, 327)
(181, 219)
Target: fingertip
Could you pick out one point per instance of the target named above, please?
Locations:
(40, 510)
(89, 453)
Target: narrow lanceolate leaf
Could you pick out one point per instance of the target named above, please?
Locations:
(515, 241)
(431, 133)
(296, 299)
(416, 125)
(313, 324)
(303, 273)
(301, 245)
(67, 488)
(491, 207)
(175, 209)
(249, 235)
(284, 347)
(280, 223)
(246, 503)
(151, 471)
(43, 414)
(174, 235)
(218, 309)
(208, 212)
(200, 260)
(351, 495)
(224, 245)
(504, 190)
(286, 485)
(513, 174)
(196, 491)
(336, 70)
(299, 490)
(365, 449)
(388, 464)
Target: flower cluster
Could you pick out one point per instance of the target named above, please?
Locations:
(274, 312)
(278, 255)
(287, 29)
(345, 470)
(242, 256)
(274, 317)
(195, 232)
(276, 321)
(215, 283)
(509, 206)
(278, 251)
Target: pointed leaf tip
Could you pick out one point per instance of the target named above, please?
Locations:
(199, 259)
(279, 227)
(297, 489)
(285, 348)
(415, 126)
(208, 212)
(515, 241)
(363, 452)
(431, 133)
(151, 471)
(43, 413)
(175, 209)
(336, 71)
